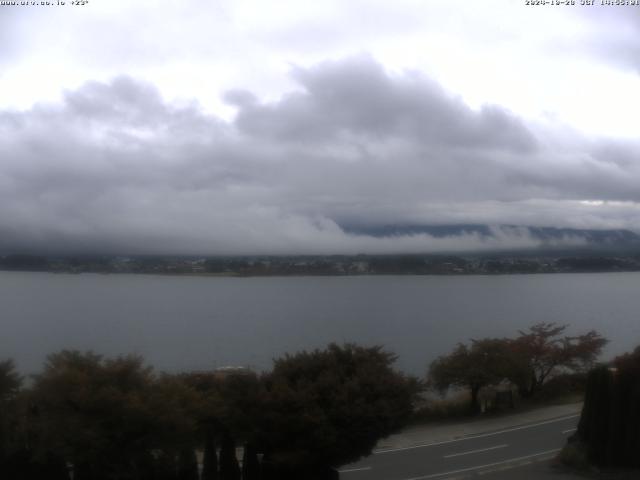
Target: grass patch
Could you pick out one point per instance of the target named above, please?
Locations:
(435, 408)
(560, 390)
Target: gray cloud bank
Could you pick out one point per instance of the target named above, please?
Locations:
(116, 168)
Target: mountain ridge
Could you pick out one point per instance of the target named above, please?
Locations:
(605, 238)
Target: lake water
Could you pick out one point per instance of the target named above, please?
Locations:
(186, 322)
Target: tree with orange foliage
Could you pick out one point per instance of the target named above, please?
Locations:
(542, 351)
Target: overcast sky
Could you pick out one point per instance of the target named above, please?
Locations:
(242, 126)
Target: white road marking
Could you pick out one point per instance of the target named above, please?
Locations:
(511, 460)
(473, 437)
(354, 470)
(569, 430)
(475, 451)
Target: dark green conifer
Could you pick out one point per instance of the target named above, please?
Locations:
(187, 464)
(250, 463)
(210, 459)
(229, 468)
(165, 467)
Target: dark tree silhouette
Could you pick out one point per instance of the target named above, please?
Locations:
(106, 416)
(10, 380)
(229, 468)
(250, 463)
(329, 407)
(541, 351)
(483, 363)
(609, 426)
(115, 419)
(10, 383)
(165, 467)
(187, 464)
(210, 458)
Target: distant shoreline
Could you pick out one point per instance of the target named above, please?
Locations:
(333, 265)
(326, 275)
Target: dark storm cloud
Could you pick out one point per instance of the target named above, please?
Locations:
(359, 97)
(115, 167)
(124, 99)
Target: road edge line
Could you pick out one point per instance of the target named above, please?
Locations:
(474, 436)
(479, 467)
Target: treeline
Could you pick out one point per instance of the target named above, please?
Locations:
(98, 418)
(88, 417)
(334, 265)
(538, 355)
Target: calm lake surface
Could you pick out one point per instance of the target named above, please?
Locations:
(185, 322)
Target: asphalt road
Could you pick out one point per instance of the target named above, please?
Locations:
(491, 451)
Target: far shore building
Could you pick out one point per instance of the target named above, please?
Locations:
(230, 371)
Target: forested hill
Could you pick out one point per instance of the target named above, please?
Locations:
(546, 235)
